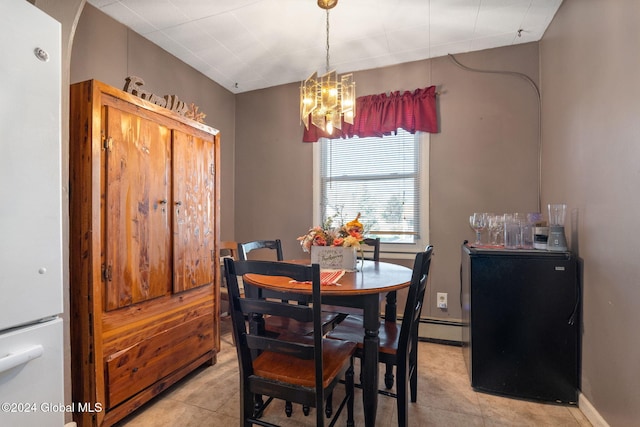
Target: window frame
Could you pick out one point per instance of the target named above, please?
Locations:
(388, 250)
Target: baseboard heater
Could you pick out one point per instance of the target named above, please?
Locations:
(439, 330)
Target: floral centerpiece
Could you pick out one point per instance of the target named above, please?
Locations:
(334, 247)
(347, 235)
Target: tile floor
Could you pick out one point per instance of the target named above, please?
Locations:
(209, 397)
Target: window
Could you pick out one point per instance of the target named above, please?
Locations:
(385, 179)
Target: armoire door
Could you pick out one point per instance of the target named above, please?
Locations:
(194, 211)
(137, 215)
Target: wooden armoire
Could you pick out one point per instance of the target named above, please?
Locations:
(144, 232)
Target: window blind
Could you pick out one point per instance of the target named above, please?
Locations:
(376, 176)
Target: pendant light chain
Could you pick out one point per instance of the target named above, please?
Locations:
(327, 70)
(326, 101)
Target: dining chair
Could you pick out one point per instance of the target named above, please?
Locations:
(276, 325)
(371, 248)
(229, 249)
(283, 367)
(246, 247)
(398, 343)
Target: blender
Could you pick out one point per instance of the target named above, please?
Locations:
(556, 240)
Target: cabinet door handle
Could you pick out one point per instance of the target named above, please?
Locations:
(107, 273)
(163, 201)
(178, 203)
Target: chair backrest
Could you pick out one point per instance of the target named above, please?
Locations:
(229, 248)
(249, 341)
(245, 248)
(374, 252)
(407, 341)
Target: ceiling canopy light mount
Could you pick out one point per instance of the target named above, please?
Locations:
(327, 4)
(330, 98)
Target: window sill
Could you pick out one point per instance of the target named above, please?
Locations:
(397, 255)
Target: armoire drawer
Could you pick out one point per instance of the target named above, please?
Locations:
(133, 369)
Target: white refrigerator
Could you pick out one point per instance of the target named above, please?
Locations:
(31, 333)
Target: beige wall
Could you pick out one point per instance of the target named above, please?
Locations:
(591, 108)
(483, 159)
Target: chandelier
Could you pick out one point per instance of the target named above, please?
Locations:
(328, 98)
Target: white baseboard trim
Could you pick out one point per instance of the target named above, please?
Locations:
(590, 412)
(440, 330)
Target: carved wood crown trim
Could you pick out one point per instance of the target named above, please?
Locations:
(134, 85)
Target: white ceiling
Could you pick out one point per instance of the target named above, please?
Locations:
(252, 44)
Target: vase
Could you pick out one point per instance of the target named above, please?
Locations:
(335, 257)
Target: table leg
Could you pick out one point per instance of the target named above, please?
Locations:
(390, 315)
(370, 361)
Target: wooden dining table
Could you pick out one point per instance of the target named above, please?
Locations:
(362, 289)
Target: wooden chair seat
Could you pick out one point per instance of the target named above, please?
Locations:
(285, 325)
(293, 370)
(350, 329)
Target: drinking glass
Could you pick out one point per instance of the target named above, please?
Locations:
(528, 228)
(478, 221)
(491, 227)
(496, 227)
(511, 231)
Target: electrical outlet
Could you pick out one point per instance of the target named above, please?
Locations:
(442, 299)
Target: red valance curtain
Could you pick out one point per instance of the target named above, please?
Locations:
(378, 115)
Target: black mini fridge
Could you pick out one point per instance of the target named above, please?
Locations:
(521, 318)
